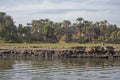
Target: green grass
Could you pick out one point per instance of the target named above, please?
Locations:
(56, 45)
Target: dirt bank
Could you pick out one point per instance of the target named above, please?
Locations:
(76, 52)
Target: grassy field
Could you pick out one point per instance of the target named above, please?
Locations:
(57, 45)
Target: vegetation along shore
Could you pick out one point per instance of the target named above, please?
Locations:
(47, 31)
(33, 51)
(44, 38)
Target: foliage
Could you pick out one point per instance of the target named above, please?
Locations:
(8, 31)
(45, 30)
(48, 30)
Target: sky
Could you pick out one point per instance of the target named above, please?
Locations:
(24, 11)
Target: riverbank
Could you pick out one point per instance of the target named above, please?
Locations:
(31, 51)
(57, 45)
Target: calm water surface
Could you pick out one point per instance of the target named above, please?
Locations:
(62, 69)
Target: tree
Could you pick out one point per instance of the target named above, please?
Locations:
(114, 36)
(45, 30)
(118, 36)
(66, 23)
(2, 15)
(8, 30)
(103, 28)
(86, 23)
(48, 30)
(80, 25)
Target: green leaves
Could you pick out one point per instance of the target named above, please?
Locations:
(8, 29)
(48, 30)
(45, 30)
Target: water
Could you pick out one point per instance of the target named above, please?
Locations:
(62, 69)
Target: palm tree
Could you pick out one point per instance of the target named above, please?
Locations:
(103, 28)
(46, 20)
(66, 23)
(86, 23)
(2, 16)
(80, 19)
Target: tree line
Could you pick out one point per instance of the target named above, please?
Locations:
(47, 31)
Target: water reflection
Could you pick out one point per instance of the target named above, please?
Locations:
(5, 64)
(60, 69)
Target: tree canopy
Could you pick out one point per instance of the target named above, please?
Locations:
(45, 30)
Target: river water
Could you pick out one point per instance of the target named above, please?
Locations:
(60, 69)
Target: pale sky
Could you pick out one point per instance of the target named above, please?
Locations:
(24, 11)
